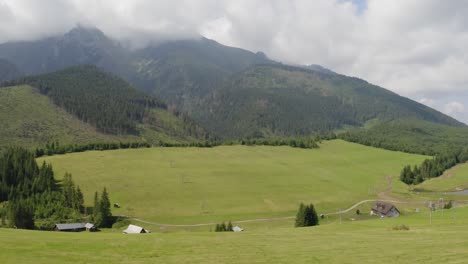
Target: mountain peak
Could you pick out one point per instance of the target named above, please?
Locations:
(85, 34)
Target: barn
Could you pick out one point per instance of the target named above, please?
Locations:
(75, 227)
(133, 229)
(383, 209)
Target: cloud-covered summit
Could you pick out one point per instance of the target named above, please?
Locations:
(416, 48)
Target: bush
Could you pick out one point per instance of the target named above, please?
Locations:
(121, 222)
(400, 227)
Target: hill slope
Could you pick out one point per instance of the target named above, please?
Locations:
(199, 185)
(268, 100)
(98, 102)
(31, 119)
(8, 70)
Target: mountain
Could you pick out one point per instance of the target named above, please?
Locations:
(233, 92)
(83, 104)
(8, 70)
(279, 100)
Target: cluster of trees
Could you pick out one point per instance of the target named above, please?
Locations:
(55, 148)
(410, 135)
(306, 216)
(307, 143)
(102, 215)
(98, 98)
(431, 168)
(223, 227)
(32, 198)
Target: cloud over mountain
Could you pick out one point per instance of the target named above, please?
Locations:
(414, 47)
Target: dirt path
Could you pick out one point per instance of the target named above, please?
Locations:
(268, 219)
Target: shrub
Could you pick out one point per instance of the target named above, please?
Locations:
(400, 227)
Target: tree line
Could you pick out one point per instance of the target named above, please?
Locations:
(431, 168)
(31, 197)
(55, 148)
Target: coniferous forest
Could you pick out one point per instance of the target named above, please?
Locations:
(35, 199)
(101, 99)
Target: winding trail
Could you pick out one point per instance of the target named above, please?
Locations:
(271, 218)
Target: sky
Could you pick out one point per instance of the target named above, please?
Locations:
(416, 48)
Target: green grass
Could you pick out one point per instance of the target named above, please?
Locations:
(31, 119)
(454, 179)
(193, 185)
(351, 242)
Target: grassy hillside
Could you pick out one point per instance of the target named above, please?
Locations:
(191, 185)
(30, 119)
(351, 242)
(455, 179)
(410, 135)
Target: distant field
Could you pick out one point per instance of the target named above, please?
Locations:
(454, 179)
(199, 185)
(445, 241)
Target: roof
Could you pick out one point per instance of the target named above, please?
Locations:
(71, 226)
(237, 229)
(89, 225)
(382, 207)
(133, 229)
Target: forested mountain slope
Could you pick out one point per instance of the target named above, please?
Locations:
(8, 70)
(278, 100)
(98, 107)
(231, 92)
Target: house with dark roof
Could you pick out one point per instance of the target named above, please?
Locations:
(383, 209)
(75, 227)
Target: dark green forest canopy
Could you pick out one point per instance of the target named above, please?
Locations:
(103, 100)
(279, 100)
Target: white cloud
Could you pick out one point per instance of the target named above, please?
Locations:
(454, 108)
(416, 48)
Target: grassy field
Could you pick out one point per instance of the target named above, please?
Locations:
(350, 242)
(193, 185)
(30, 119)
(454, 179)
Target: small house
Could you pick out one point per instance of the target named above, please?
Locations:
(383, 209)
(133, 229)
(75, 227)
(237, 229)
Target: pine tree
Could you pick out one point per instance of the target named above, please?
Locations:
(97, 215)
(21, 214)
(300, 217)
(229, 227)
(79, 200)
(105, 209)
(314, 220)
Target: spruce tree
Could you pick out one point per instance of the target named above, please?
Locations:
(97, 215)
(105, 209)
(300, 217)
(313, 216)
(79, 200)
(229, 227)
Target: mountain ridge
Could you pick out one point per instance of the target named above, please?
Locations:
(232, 92)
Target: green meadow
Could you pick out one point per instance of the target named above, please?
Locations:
(454, 179)
(370, 241)
(203, 185)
